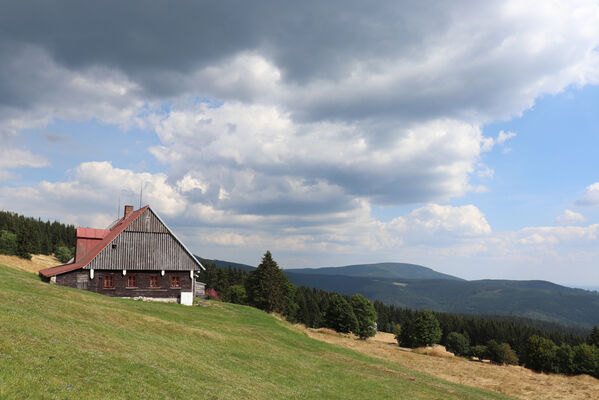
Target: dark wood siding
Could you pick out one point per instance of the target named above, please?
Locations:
(147, 222)
(76, 278)
(146, 244)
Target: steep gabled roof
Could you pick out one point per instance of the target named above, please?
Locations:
(115, 230)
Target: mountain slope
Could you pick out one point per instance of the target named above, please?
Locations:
(58, 342)
(225, 264)
(379, 270)
(532, 299)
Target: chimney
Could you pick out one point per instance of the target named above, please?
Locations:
(128, 210)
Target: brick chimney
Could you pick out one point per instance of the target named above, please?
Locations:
(128, 210)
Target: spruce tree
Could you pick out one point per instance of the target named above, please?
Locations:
(269, 289)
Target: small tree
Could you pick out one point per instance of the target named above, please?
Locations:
(424, 330)
(339, 315)
(365, 316)
(501, 353)
(63, 253)
(540, 354)
(565, 358)
(458, 344)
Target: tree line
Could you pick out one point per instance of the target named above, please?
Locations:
(538, 345)
(23, 236)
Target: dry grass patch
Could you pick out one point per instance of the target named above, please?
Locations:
(513, 381)
(37, 262)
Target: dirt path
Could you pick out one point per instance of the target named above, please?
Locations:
(513, 381)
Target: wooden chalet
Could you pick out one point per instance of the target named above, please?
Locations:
(137, 256)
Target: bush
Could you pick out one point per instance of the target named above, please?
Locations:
(424, 330)
(540, 354)
(458, 344)
(501, 353)
(63, 253)
(585, 359)
(211, 294)
(479, 351)
(564, 358)
(237, 294)
(365, 316)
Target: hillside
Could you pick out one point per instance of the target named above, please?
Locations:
(531, 299)
(380, 270)
(57, 342)
(511, 380)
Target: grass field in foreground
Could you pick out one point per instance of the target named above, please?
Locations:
(61, 343)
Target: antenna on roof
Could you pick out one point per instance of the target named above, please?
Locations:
(118, 209)
(141, 191)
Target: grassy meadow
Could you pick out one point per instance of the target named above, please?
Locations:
(61, 343)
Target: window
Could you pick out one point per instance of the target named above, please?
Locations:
(175, 282)
(154, 281)
(108, 281)
(131, 281)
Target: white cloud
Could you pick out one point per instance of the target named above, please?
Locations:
(11, 158)
(590, 197)
(570, 217)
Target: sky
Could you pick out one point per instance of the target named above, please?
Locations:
(458, 135)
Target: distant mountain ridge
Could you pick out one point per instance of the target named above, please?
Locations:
(418, 287)
(388, 270)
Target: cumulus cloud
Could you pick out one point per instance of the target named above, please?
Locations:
(271, 115)
(570, 217)
(590, 196)
(11, 158)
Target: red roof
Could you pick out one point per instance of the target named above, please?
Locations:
(114, 231)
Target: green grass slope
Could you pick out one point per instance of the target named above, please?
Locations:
(61, 343)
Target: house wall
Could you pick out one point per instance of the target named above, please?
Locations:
(79, 279)
(145, 244)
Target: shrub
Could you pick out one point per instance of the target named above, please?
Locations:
(237, 294)
(63, 253)
(458, 344)
(211, 294)
(540, 354)
(585, 359)
(479, 351)
(501, 353)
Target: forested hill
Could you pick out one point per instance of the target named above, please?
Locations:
(530, 299)
(23, 236)
(539, 300)
(380, 270)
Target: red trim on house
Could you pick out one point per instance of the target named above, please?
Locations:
(115, 230)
